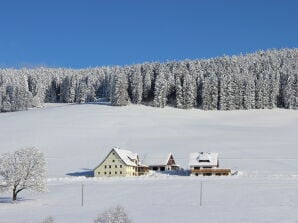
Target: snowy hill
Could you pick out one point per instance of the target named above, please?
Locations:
(261, 144)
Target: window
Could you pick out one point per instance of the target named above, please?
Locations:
(115, 172)
(113, 153)
(113, 161)
(105, 166)
(204, 161)
(105, 173)
(98, 173)
(207, 174)
(120, 166)
(110, 166)
(110, 173)
(120, 172)
(115, 166)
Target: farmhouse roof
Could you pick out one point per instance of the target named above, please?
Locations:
(203, 159)
(157, 159)
(127, 156)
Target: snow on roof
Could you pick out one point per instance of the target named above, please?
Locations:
(127, 156)
(203, 159)
(156, 159)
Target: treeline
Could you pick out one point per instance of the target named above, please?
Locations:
(265, 79)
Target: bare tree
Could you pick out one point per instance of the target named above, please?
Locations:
(113, 215)
(24, 169)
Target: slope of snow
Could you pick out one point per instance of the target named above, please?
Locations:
(261, 144)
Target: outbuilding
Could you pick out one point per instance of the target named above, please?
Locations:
(161, 162)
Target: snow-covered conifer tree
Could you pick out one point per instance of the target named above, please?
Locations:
(210, 92)
(160, 90)
(189, 91)
(135, 84)
(148, 76)
(119, 94)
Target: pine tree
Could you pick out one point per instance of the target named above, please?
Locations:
(210, 93)
(160, 91)
(135, 84)
(119, 94)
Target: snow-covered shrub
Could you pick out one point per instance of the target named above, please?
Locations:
(113, 215)
(49, 219)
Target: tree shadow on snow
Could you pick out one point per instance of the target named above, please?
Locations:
(85, 173)
(100, 101)
(175, 172)
(8, 200)
(5, 200)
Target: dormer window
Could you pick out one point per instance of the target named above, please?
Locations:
(204, 158)
(204, 161)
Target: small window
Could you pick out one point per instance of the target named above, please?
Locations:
(204, 161)
(115, 172)
(110, 173)
(113, 161)
(120, 166)
(105, 173)
(110, 166)
(207, 174)
(113, 153)
(115, 166)
(105, 166)
(120, 172)
(98, 173)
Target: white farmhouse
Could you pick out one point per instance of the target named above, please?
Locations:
(120, 162)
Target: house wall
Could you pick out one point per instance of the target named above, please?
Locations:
(114, 166)
(131, 171)
(202, 167)
(163, 168)
(210, 174)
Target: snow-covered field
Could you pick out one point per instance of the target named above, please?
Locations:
(261, 144)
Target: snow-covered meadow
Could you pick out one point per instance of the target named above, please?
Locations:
(261, 144)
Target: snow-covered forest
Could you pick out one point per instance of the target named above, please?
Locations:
(265, 79)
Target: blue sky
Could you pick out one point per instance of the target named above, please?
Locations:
(83, 33)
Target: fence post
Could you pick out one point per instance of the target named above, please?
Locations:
(82, 194)
(201, 193)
